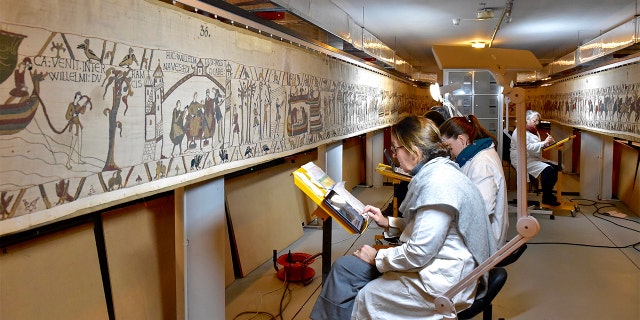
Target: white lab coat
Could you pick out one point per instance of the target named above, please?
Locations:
(485, 170)
(434, 255)
(535, 161)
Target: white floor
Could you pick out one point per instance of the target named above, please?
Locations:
(570, 270)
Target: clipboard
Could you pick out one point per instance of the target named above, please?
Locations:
(321, 189)
(559, 143)
(387, 171)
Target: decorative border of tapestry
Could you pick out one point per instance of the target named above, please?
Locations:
(104, 100)
(607, 102)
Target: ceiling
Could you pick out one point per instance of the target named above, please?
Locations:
(548, 28)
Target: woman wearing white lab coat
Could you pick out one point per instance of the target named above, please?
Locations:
(473, 148)
(445, 235)
(537, 166)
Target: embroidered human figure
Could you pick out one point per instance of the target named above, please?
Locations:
(74, 110)
(236, 126)
(21, 90)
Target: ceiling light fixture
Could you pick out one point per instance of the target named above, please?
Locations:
(478, 44)
(484, 14)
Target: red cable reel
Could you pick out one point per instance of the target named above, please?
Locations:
(295, 266)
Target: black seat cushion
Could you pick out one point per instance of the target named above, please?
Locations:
(512, 257)
(506, 147)
(497, 279)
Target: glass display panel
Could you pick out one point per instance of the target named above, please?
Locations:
(485, 83)
(486, 106)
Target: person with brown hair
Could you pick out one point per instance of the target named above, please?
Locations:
(474, 149)
(445, 235)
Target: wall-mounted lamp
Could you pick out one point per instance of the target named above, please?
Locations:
(478, 44)
(456, 21)
(441, 94)
(434, 90)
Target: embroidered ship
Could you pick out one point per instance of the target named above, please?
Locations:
(16, 116)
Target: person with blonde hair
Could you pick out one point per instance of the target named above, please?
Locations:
(400, 189)
(445, 235)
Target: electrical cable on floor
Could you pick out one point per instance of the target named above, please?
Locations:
(602, 216)
(597, 214)
(287, 290)
(633, 245)
(257, 313)
(282, 300)
(351, 237)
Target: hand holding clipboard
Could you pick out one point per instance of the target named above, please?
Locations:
(558, 143)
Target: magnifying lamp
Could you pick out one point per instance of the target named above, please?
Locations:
(441, 94)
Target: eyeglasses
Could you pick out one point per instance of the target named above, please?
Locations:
(393, 149)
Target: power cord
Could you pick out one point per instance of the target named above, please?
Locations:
(597, 214)
(287, 291)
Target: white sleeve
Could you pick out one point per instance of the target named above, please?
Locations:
(534, 145)
(396, 222)
(430, 230)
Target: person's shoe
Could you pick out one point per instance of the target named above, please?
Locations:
(550, 199)
(551, 202)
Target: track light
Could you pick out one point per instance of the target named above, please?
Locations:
(484, 14)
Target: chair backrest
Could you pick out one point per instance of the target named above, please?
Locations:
(497, 279)
(513, 257)
(506, 145)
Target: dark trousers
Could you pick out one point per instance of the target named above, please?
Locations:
(548, 179)
(347, 276)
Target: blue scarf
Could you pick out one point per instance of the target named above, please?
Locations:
(471, 150)
(417, 168)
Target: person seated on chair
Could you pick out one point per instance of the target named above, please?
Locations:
(400, 189)
(445, 235)
(537, 166)
(473, 148)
